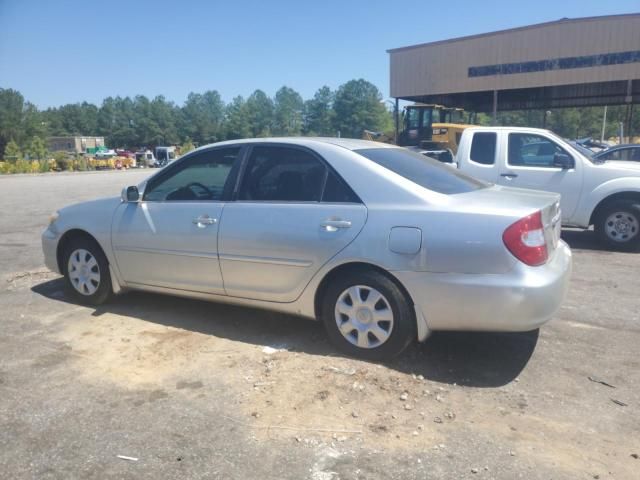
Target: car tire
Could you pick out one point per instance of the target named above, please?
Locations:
(362, 329)
(617, 226)
(86, 272)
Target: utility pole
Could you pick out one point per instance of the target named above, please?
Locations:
(604, 123)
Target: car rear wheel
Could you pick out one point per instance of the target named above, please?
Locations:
(618, 226)
(86, 272)
(367, 315)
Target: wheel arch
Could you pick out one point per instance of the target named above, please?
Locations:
(633, 196)
(351, 267)
(68, 237)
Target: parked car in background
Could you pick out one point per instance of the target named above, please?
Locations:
(164, 155)
(620, 152)
(102, 154)
(145, 159)
(603, 194)
(381, 244)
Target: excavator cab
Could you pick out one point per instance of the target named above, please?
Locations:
(418, 122)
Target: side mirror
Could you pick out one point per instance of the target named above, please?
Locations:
(130, 194)
(563, 161)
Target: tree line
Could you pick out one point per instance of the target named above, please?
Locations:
(203, 118)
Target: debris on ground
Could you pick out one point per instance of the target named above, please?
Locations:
(124, 457)
(618, 402)
(601, 382)
(342, 371)
(271, 350)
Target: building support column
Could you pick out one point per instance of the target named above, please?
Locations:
(396, 118)
(629, 112)
(494, 117)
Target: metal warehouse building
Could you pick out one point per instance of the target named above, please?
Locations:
(565, 63)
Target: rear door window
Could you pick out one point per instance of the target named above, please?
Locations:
(422, 170)
(282, 174)
(483, 148)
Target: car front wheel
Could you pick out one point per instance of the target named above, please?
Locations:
(86, 272)
(367, 315)
(618, 226)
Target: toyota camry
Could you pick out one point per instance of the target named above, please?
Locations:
(379, 243)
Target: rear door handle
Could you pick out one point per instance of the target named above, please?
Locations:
(203, 220)
(334, 225)
(509, 175)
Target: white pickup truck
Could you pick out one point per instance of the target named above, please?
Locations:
(603, 194)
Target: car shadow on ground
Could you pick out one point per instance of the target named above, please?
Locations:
(462, 358)
(582, 239)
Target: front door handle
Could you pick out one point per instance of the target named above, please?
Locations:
(203, 220)
(334, 225)
(509, 175)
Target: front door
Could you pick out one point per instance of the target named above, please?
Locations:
(293, 213)
(529, 164)
(170, 238)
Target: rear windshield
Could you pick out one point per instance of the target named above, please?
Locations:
(424, 171)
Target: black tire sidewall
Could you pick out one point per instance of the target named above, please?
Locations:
(104, 291)
(633, 208)
(404, 328)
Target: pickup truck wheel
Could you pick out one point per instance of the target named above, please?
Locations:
(618, 226)
(367, 315)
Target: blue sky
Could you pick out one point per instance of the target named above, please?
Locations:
(58, 51)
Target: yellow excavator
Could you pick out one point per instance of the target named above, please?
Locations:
(431, 129)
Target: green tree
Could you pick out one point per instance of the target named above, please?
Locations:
(12, 152)
(201, 117)
(237, 119)
(19, 119)
(187, 146)
(37, 149)
(288, 112)
(318, 113)
(357, 107)
(259, 110)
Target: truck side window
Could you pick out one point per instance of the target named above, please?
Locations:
(528, 150)
(483, 148)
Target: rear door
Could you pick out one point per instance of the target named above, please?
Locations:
(481, 159)
(529, 164)
(291, 215)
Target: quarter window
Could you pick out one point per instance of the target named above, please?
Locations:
(202, 176)
(526, 150)
(336, 191)
(283, 174)
(483, 148)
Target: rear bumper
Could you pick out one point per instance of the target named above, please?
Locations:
(49, 249)
(521, 300)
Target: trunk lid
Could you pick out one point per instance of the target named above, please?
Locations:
(517, 203)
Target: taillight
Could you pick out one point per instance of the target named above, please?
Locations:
(525, 240)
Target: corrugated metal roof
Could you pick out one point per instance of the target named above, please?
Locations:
(512, 30)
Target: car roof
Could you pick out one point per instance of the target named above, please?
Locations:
(348, 143)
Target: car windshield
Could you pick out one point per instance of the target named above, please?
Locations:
(424, 171)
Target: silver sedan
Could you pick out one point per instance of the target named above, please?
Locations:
(381, 244)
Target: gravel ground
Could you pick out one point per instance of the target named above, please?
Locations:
(188, 389)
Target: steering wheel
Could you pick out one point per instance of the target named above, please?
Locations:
(207, 193)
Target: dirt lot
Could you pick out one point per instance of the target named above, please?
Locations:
(187, 388)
